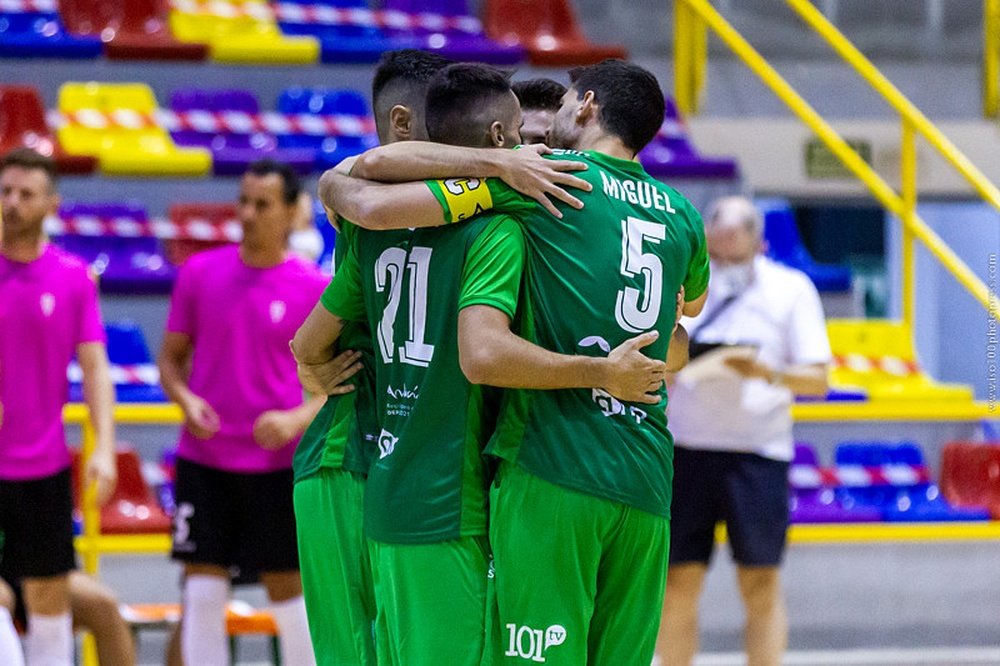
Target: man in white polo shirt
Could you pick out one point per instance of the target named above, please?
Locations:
(733, 432)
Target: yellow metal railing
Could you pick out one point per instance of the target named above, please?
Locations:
(991, 58)
(697, 15)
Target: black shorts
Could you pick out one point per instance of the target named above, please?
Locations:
(746, 491)
(36, 520)
(235, 520)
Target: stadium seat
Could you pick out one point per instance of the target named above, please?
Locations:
(240, 31)
(26, 33)
(133, 30)
(784, 244)
(232, 151)
(22, 124)
(460, 45)
(133, 509)
(548, 29)
(133, 372)
(125, 264)
(352, 40)
(970, 475)
(877, 357)
(330, 149)
(212, 214)
(115, 122)
(813, 497)
(672, 155)
(893, 478)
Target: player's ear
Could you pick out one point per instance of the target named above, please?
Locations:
(401, 121)
(497, 139)
(587, 108)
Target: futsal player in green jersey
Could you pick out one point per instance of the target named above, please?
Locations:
(332, 458)
(580, 507)
(425, 500)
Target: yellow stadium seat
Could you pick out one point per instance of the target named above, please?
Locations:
(132, 146)
(240, 31)
(877, 355)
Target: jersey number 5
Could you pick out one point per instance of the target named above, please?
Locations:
(390, 269)
(637, 310)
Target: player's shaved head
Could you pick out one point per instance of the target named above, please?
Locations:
(401, 79)
(472, 105)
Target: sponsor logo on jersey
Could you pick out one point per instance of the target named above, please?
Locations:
(592, 340)
(47, 303)
(404, 393)
(386, 443)
(277, 311)
(533, 644)
(611, 406)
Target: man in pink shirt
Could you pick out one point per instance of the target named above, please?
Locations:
(226, 361)
(48, 312)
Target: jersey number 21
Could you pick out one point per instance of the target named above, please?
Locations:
(392, 266)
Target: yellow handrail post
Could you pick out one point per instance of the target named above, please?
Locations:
(991, 58)
(91, 528)
(699, 62)
(908, 178)
(864, 67)
(682, 56)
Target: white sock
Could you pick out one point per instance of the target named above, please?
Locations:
(203, 628)
(10, 644)
(296, 646)
(49, 641)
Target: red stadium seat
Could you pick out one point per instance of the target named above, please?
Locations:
(216, 214)
(22, 124)
(134, 508)
(133, 30)
(548, 29)
(970, 475)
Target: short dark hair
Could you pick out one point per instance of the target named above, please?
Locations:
(407, 72)
(29, 159)
(291, 186)
(539, 94)
(457, 98)
(629, 97)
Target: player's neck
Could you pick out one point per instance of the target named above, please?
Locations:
(602, 142)
(23, 249)
(262, 257)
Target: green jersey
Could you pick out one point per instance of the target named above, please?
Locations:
(594, 279)
(343, 432)
(430, 480)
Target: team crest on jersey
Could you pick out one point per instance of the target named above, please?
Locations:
(277, 311)
(386, 443)
(47, 303)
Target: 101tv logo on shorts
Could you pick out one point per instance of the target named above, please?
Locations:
(528, 643)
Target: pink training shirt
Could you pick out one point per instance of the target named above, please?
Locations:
(240, 321)
(47, 308)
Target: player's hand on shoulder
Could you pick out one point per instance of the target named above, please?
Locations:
(543, 180)
(199, 418)
(631, 375)
(274, 429)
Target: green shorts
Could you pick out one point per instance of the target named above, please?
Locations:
(431, 602)
(578, 579)
(336, 573)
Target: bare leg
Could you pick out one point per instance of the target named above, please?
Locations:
(677, 642)
(95, 608)
(767, 622)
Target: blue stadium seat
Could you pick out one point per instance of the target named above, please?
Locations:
(330, 149)
(42, 35)
(340, 43)
(784, 244)
(132, 367)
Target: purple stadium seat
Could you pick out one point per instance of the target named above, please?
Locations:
(231, 151)
(671, 155)
(812, 498)
(455, 44)
(33, 34)
(124, 264)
